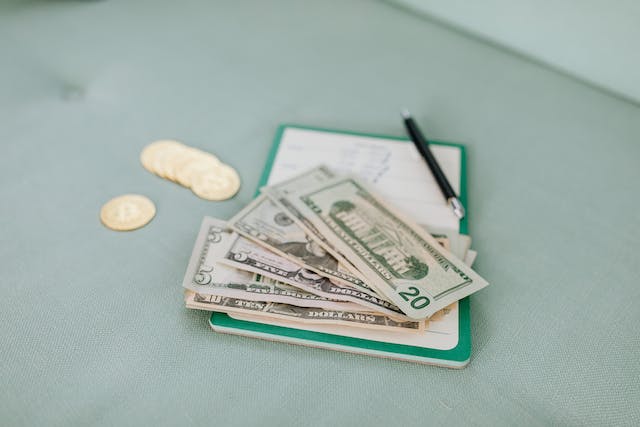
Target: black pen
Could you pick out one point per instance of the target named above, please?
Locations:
(422, 145)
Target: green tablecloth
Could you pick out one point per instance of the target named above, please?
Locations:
(93, 326)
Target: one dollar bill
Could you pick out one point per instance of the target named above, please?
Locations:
(398, 257)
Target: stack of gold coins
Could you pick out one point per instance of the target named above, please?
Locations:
(198, 170)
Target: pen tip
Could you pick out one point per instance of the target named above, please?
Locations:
(405, 113)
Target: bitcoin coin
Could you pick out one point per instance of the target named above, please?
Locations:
(151, 154)
(199, 165)
(164, 158)
(220, 183)
(127, 212)
(185, 156)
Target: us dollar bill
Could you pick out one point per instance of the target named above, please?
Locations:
(244, 254)
(279, 192)
(206, 276)
(299, 314)
(274, 291)
(401, 259)
(459, 244)
(269, 225)
(470, 258)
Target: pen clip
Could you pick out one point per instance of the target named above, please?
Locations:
(457, 207)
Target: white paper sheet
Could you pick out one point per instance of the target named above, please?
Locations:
(393, 168)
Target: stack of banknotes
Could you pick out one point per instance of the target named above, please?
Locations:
(322, 248)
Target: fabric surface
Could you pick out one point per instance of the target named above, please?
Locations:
(93, 326)
(592, 40)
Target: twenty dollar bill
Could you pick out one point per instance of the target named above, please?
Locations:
(398, 257)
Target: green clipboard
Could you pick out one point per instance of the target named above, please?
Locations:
(457, 357)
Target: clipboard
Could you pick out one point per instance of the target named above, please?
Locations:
(457, 356)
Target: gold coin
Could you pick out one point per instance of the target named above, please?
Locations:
(173, 164)
(150, 153)
(164, 157)
(127, 212)
(199, 165)
(221, 183)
